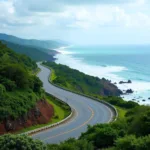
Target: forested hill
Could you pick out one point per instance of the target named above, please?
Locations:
(48, 44)
(19, 89)
(37, 54)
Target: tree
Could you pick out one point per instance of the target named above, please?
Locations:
(133, 143)
(72, 144)
(9, 85)
(2, 90)
(102, 136)
(20, 142)
(140, 125)
(37, 84)
(16, 73)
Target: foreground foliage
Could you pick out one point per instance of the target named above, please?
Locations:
(13, 142)
(133, 143)
(72, 144)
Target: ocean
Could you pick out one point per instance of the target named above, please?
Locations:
(116, 63)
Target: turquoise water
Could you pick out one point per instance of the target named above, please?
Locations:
(135, 58)
(115, 63)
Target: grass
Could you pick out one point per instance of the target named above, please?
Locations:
(53, 75)
(60, 113)
(121, 112)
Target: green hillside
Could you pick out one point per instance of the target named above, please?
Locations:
(80, 82)
(37, 54)
(19, 89)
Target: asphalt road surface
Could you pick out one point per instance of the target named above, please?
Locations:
(87, 111)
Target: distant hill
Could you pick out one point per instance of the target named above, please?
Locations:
(47, 44)
(37, 54)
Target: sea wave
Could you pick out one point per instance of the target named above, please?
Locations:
(93, 70)
(63, 50)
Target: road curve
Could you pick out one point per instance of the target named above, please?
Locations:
(87, 111)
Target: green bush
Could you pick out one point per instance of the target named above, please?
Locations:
(140, 125)
(72, 144)
(2, 90)
(20, 142)
(102, 135)
(133, 143)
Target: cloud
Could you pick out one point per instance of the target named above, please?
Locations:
(87, 2)
(50, 13)
(25, 7)
(8, 17)
(30, 6)
(45, 18)
(107, 16)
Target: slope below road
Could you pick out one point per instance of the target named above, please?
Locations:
(88, 111)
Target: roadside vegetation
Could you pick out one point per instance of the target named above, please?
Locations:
(79, 82)
(61, 111)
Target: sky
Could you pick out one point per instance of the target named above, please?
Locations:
(81, 22)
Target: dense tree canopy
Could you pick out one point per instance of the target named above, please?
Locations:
(133, 143)
(139, 120)
(72, 144)
(20, 142)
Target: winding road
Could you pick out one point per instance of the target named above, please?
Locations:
(87, 111)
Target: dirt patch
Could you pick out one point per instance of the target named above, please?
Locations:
(40, 114)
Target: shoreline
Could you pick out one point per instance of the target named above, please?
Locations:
(140, 95)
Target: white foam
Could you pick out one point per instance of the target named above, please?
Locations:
(63, 50)
(98, 71)
(108, 72)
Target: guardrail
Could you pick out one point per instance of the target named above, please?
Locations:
(114, 110)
